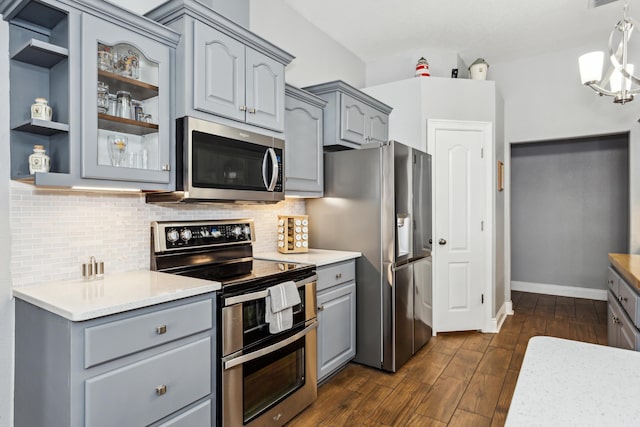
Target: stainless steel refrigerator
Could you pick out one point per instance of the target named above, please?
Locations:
(378, 202)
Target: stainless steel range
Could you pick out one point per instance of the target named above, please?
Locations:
(264, 379)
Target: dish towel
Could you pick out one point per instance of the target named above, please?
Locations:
(279, 302)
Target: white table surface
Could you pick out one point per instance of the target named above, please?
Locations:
(83, 300)
(319, 257)
(571, 383)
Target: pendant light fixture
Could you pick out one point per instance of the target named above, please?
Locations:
(623, 85)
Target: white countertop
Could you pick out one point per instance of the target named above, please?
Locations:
(319, 257)
(83, 300)
(571, 383)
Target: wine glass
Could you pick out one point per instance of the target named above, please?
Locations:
(117, 148)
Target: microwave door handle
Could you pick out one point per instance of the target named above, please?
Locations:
(274, 174)
(265, 159)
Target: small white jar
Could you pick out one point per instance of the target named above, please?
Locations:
(41, 110)
(39, 161)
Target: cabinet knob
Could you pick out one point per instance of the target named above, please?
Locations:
(442, 242)
(252, 110)
(161, 329)
(166, 168)
(321, 308)
(615, 320)
(161, 389)
(243, 108)
(338, 276)
(622, 299)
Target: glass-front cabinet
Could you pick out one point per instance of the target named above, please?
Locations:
(91, 95)
(127, 122)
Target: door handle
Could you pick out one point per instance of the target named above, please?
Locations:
(442, 242)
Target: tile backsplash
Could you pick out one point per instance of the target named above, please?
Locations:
(53, 232)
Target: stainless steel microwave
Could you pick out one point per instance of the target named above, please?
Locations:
(218, 163)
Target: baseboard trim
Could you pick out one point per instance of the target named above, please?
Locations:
(496, 323)
(560, 290)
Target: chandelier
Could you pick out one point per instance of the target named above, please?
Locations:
(623, 85)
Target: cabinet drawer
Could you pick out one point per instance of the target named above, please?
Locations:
(116, 339)
(629, 300)
(335, 274)
(143, 392)
(612, 280)
(200, 416)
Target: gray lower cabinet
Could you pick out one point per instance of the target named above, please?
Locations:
(303, 143)
(54, 46)
(336, 292)
(623, 313)
(352, 117)
(224, 71)
(150, 366)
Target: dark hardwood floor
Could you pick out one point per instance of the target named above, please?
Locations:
(457, 379)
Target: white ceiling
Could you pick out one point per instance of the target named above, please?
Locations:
(497, 30)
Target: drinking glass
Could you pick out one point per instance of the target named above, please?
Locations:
(123, 104)
(117, 148)
(103, 97)
(105, 58)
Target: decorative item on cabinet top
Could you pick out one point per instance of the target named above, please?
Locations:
(478, 70)
(422, 68)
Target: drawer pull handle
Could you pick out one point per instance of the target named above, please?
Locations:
(161, 329)
(622, 299)
(338, 276)
(321, 308)
(161, 389)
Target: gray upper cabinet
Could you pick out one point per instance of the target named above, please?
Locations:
(54, 48)
(219, 69)
(225, 73)
(353, 118)
(303, 143)
(117, 145)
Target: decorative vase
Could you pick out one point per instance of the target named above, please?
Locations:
(39, 161)
(41, 110)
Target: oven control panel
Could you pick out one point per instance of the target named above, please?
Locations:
(192, 234)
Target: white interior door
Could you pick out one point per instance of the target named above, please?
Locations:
(460, 230)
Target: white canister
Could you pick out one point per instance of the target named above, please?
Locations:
(39, 161)
(41, 110)
(478, 70)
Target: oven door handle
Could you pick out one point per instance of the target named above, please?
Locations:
(263, 294)
(270, 349)
(270, 154)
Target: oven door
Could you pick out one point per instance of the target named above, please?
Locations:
(243, 322)
(272, 384)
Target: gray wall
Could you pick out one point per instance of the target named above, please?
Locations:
(569, 208)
